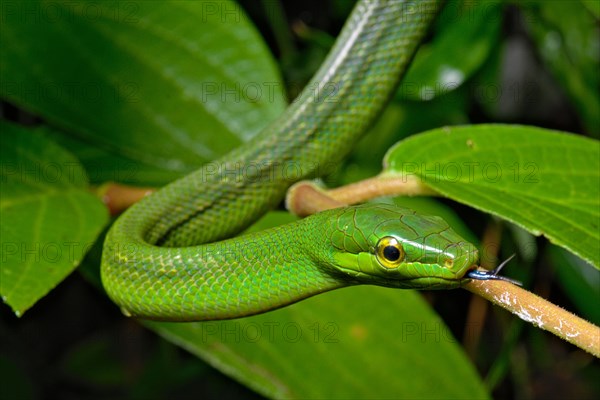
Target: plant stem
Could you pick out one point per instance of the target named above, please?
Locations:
(118, 197)
(305, 198)
(540, 312)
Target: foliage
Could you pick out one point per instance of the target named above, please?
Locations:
(144, 92)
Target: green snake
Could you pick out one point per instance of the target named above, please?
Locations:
(168, 256)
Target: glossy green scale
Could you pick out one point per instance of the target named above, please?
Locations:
(166, 258)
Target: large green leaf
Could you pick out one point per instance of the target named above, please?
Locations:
(49, 220)
(360, 342)
(160, 85)
(545, 181)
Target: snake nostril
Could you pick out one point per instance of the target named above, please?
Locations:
(448, 263)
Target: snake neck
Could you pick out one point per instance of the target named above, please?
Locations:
(238, 277)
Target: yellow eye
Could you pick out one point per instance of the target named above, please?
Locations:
(389, 252)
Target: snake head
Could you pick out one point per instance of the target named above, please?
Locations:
(396, 247)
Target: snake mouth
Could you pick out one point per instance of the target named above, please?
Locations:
(434, 283)
(472, 268)
(429, 282)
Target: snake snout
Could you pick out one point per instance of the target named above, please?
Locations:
(459, 257)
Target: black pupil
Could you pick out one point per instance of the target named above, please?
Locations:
(391, 253)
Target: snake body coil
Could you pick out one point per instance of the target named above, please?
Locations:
(165, 257)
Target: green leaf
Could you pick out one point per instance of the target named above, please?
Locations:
(356, 342)
(548, 182)
(49, 219)
(469, 32)
(168, 85)
(566, 35)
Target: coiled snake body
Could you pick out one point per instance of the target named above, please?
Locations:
(166, 258)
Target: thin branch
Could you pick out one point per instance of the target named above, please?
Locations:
(118, 197)
(305, 198)
(379, 186)
(540, 312)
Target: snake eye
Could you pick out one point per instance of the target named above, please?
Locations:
(389, 252)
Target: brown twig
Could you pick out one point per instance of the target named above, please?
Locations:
(540, 312)
(305, 198)
(380, 186)
(118, 197)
